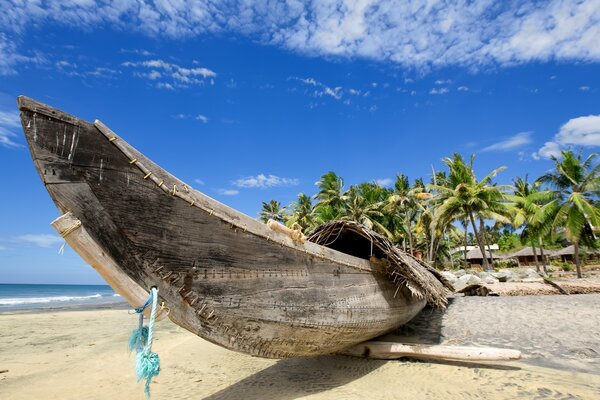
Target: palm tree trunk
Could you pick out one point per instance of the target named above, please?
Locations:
(537, 264)
(486, 265)
(409, 231)
(465, 225)
(486, 239)
(542, 254)
(577, 261)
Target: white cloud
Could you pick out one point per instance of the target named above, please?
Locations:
(198, 117)
(385, 182)
(581, 131)
(584, 88)
(228, 192)
(321, 89)
(9, 123)
(10, 57)
(442, 90)
(265, 181)
(518, 140)
(178, 76)
(39, 240)
(463, 89)
(415, 34)
(199, 181)
(202, 118)
(549, 149)
(443, 82)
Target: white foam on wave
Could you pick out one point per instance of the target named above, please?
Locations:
(116, 295)
(14, 301)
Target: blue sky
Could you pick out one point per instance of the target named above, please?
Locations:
(256, 100)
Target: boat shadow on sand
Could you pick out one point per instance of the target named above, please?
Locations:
(297, 377)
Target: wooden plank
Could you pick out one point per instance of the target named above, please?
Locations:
(392, 351)
(77, 236)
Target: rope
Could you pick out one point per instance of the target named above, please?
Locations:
(297, 235)
(147, 362)
(70, 229)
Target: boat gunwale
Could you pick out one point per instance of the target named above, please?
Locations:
(251, 225)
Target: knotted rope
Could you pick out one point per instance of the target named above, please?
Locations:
(139, 336)
(147, 362)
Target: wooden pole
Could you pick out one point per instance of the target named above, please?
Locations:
(392, 351)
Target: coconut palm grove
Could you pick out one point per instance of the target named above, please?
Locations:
(454, 208)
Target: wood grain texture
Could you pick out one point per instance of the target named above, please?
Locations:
(225, 276)
(393, 351)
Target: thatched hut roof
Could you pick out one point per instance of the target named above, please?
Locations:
(570, 250)
(528, 252)
(475, 254)
(422, 280)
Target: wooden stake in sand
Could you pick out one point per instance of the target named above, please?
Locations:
(392, 351)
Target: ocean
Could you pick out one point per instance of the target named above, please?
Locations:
(16, 297)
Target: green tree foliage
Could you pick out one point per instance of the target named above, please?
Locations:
(427, 219)
(576, 184)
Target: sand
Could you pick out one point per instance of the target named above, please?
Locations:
(83, 355)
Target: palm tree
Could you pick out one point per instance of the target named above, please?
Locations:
(534, 209)
(576, 183)
(272, 210)
(464, 196)
(331, 188)
(302, 213)
(363, 210)
(404, 202)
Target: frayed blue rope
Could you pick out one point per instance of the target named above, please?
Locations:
(139, 336)
(138, 339)
(147, 363)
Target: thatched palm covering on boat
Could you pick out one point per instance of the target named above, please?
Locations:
(423, 281)
(224, 275)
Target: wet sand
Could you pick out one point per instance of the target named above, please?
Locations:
(82, 354)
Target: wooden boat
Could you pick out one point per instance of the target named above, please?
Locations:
(223, 275)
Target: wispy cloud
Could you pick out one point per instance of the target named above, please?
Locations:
(320, 88)
(513, 142)
(141, 52)
(9, 123)
(199, 181)
(39, 240)
(265, 181)
(228, 192)
(198, 117)
(10, 57)
(414, 34)
(201, 118)
(442, 90)
(169, 75)
(584, 88)
(581, 131)
(463, 89)
(385, 182)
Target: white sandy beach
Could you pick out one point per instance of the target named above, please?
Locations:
(82, 354)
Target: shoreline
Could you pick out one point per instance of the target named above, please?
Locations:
(114, 305)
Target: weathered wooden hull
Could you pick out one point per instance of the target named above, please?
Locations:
(224, 276)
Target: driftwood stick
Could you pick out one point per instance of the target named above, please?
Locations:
(391, 351)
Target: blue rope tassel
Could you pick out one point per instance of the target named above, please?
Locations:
(147, 363)
(139, 336)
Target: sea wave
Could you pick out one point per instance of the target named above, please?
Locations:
(39, 300)
(116, 295)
